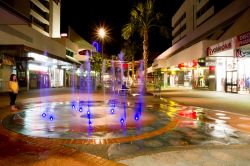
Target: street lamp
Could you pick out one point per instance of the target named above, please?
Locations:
(102, 34)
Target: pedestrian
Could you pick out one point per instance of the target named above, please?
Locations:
(13, 91)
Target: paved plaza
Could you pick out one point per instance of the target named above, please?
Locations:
(182, 127)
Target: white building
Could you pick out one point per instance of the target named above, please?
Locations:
(198, 24)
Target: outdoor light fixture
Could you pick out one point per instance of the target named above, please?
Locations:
(112, 110)
(122, 120)
(136, 117)
(80, 109)
(51, 118)
(73, 106)
(64, 35)
(43, 114)
(102, 32)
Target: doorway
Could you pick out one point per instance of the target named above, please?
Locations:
(231, 81)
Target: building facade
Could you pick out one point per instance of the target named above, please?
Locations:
(197, 26)
(31, 47)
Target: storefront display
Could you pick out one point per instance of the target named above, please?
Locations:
(231, 75)
(56, 77)
(244, 75)
(232, 59)
(200, 79)
(188, 69)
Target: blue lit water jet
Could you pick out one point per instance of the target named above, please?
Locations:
(103, 78)
(44, 114)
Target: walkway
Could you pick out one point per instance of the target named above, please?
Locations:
(209, 155)
(161, 149)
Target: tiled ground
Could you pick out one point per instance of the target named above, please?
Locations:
(162, 125)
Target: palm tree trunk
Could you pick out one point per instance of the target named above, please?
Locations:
(145, 57)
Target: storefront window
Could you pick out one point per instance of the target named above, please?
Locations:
(244, 75)
(201, 77)
(231, 75)
(187, 78)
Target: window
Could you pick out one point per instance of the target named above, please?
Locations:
(205, 8)
(69, 53)
(180, 20)
(183, 28)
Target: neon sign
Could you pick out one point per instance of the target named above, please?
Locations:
(97, 46)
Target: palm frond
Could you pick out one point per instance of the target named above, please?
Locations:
(127, 31)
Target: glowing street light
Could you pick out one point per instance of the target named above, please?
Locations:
(102, 34)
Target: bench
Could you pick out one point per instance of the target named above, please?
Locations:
(127, 90)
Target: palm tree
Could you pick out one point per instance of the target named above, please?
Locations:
(142, 18)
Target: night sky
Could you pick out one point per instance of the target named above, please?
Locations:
(84, 16)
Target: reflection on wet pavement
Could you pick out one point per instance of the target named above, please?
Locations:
(130, 127)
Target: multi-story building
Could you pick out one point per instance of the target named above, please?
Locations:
(197, 26)
(45, 17)
(30, 44)
(192, 14)
(42, 15)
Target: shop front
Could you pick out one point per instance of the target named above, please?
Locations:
(185, 68)
(242, 54)
(223, 66)
(38, 76)
(244, 74)
(46, 72)
(231, 62)
(186, 74)
(171, 76)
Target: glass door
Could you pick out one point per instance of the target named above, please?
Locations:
(231, 81)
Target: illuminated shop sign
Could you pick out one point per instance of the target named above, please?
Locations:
(242, 53)
(244, 39)
(187, 65)
(223, 46)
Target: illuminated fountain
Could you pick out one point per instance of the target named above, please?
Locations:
(103, 78)
(82, 116)
(129, 123)
(113, 82)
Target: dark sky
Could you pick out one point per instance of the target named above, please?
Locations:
(84, 16)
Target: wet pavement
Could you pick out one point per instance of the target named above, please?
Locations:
(122, 130)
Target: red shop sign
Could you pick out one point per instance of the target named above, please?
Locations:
(125, 65)
(187, 65)
(244, 38)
